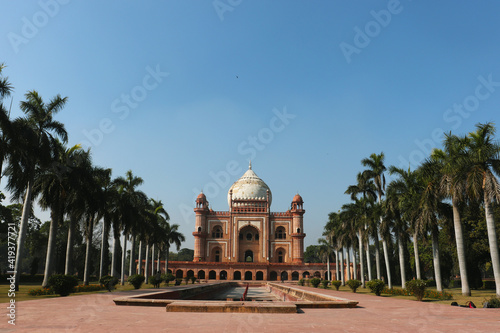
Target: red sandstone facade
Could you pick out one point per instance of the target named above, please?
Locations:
(249, 242)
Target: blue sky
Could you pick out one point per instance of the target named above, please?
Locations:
(184, 93)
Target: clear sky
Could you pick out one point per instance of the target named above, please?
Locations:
(184, 93)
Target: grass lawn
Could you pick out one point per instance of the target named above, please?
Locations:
(478, 297)
(22, 294)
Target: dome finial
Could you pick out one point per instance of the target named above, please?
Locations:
(250, 165)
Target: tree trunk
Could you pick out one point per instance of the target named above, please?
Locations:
(492, 239)
(158, 262)
(354, 266)
(368, 259)
(348, 263)
(68, 267)
(435, 257)
(342, 277)
(103, 267)
(417, 258)
(146, 264)
(387, 264)
(401, 259)
(51, 246)
(124, 256)
(377, 254)
(337, 265)
(21, 238)
(139, 260)
(328, 268)
(90, 229)
(153, 259)
(114, 260)
(131, 269)
(459, 238)
(166, 257)
(361, 259)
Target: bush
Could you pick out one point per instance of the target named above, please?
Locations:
(489, 284)
(336, 284)
(40, 292)
(136, 280)
(193, 279)
(417, 287)
(376, 286)
(301, 282)
(353, 284)
(187, 279)
(315, 282)
(493, 302)
(167, 278)
(109, 281)
(325, 283)
(63, 284)
(151, 280)
(456, 284)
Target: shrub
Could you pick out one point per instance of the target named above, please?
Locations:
(193, 279)
(493, 302)
(336, 284)
(376, 286)
(315, 282)
(167, 278)
(91, 287)
(417, 287)
(136, 280)
(301, 282)
(325, 283)
(186, 279)
(308, 282)
(151, 280)
(353, 284)
(40, 292)
(456, 284)
(63, 284)
(109, 281)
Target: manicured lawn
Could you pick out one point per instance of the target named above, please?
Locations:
(22, 294)
(478, 297)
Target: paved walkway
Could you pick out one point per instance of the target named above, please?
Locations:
(98, 313)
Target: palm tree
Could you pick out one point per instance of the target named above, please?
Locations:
(36, 136)
(453, 162)
(484, 163)
(325, 252)
(375, 171)
(132, 204)
(366, 188)
(171, 236)
(409, 194)
(5, 123)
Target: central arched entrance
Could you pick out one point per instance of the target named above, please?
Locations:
(249, 240)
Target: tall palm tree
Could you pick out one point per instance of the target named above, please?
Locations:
(366, 188)
(375, 171)
(171, 237)
(325, 252)
(409, 193)
(484, 164)
(37, 134)
(453, 161)
(5, 123)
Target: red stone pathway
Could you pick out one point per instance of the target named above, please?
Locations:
(98, 313)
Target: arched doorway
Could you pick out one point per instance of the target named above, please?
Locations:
(201, 275)
(248, 256)
(259, 276)
(237, 275)
(248, 275)
(295, 276)
(305, 275)
(249, 240)
(190, 273)
(212, 275)
(273, 276)
(223, 275)
(179, 274)
(216, 256)
(284, 276)
(280, 255)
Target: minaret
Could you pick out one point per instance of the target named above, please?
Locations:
(297, 231)
(201, 231)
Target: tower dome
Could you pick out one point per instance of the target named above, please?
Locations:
(249, 186)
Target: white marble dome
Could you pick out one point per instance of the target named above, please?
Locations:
(249, 186)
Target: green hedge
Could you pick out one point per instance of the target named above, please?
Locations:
(489, 284)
